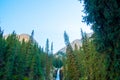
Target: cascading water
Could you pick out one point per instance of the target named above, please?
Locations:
(58, 74)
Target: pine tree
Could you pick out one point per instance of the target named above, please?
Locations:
(11, 56)
(51, 48)
(2, 55)
(21, 60)
(72, 72)
(47, 46)
(47, 69)
(91, 65)
(35, 67)
(32, 36)
(104, 15)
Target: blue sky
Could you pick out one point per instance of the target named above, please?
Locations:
(48, 18)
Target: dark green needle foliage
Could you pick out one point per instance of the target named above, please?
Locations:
(2, 54)
(21, 60)
(104, 16)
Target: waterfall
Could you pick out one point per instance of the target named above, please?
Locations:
(58, 74)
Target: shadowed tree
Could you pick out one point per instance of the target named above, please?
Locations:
(2, 54)
(104, 15)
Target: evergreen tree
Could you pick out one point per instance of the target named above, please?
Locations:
(11, 56)
(93, 64)
(52, 48)
(47, 69)
(32, 36)
(23, 59)
(72, 71)
(20, 60)
(2, 54)
(47, 46)
(104, 15)
(35, 68)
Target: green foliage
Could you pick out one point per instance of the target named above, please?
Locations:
(93, 64)
(104, 15)
(47, 46)
(85, 63)
(48, 60)
(57, 63)
(20, 60)
(2, 54)
(72, 71)
(51, 48)
(66, 39)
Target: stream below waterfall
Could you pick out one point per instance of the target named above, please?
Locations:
(58, 75)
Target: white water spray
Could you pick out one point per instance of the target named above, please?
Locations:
(58, 74)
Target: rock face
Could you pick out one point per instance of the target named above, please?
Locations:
(75, 43)
(26, 37)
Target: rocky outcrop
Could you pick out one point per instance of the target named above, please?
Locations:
(25, 37)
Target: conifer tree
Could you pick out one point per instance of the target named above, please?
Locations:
(72, 72)
(23, 59)
(35, 68)
(47, 46)
(20, 60)
(32, 36)
(47, 69)
(104, 15)
(2, 54)
(52, 48)
(94, 63)
(11, 56)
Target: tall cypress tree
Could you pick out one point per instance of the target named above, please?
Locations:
(52, 48)
(47, 69)
(47, 46)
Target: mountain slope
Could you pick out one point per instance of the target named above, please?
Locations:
(26, 37)
(77, 42)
